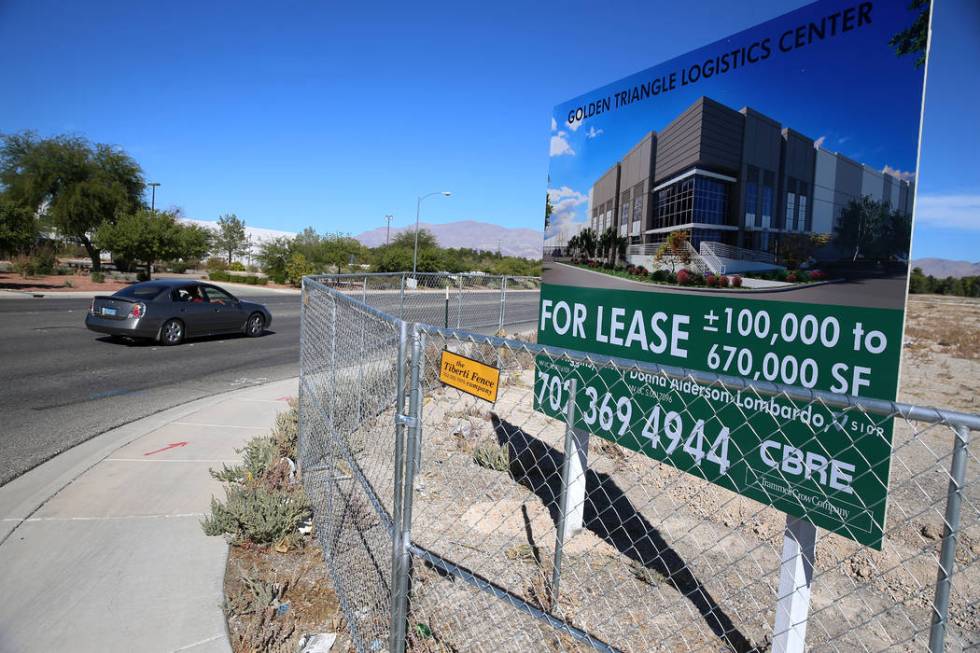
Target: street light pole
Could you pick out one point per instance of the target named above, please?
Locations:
(388, 235)
(153, 197)
(418, 212)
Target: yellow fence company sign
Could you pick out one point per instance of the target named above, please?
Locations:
(470, 376)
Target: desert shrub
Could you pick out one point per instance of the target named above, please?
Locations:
(69, 283)
(142, 275)
(237, 266)
(264, 502)
(98, 277)
(39, 263)
(258, 455)
(492, 456)
(257, 514)
(177, 267)
(216, 264)
(736, 281)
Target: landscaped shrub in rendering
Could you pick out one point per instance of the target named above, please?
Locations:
(723, 281)
(711, 281)
(683, 278)
(792, 277)
(736, 281)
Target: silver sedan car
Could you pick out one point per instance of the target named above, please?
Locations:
(170, 310)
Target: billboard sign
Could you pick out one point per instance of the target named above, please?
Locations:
(744, 209)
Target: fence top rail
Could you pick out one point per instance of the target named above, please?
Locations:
(876, 406)
(312, 282)
(475, 275)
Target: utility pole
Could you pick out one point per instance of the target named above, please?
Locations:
(388, 235)
(153, 197)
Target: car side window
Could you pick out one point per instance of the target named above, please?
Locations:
(218, 296)
(188, 294)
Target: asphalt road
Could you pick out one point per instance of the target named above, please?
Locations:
(873, 292)
(63, 384)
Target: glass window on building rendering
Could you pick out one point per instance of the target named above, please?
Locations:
(694, 199)
(768, 192)
(751, 196)
(638, 202)
(790, 204)
(624, 207)
(801, 201)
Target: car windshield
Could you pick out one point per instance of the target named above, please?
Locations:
(139, 291)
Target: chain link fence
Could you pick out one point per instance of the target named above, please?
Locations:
(482, 302)
(453, 524)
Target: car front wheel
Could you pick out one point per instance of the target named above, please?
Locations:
(255, 325)
(172, 333)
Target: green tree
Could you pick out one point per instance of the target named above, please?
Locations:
(674, 250)
(18, 227)
(548, 210)
(274, 256)
(397, 256)
(915, 38)
(231, 239)
(151, 236)
(918, 282)
(587, 241)
(869, 229)
(74, 185)
(297, 268)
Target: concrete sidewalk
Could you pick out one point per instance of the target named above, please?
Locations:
(101, 548)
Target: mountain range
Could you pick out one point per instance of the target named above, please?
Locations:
(942, 268)
(525, 243)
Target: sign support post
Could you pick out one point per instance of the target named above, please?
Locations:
(793, 595)
(571, 502)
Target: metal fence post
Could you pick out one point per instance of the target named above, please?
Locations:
(947, 555)
(459, 304)
(566, 472)
(404, 566)
(303, 443)
(398, 624)
(503, 301)
(401, 303)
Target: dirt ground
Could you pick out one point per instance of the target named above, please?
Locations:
(941, 362)
(273, 599)
(53, 283)
(58, 282)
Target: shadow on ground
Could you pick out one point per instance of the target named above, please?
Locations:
(611, 516)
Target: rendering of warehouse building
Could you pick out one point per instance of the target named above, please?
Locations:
(737, 178)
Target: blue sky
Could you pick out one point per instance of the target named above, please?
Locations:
(334, 114)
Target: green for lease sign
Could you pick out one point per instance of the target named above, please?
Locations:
(823, 464)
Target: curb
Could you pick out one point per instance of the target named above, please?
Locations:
(698, 289)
